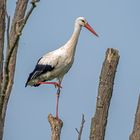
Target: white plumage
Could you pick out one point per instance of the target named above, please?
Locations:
(57, 63)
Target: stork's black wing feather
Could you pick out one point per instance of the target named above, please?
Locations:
(39, 70)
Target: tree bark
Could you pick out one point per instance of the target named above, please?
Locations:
(2, 32)
(136, 130)
(19, 20)
(56, 126)
(105, 89)
(10, 64)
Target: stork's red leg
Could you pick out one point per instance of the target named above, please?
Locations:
(57, 94)
(52, 83)
(57, 99)
(57, 102)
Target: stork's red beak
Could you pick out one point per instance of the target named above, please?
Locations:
(91, 29)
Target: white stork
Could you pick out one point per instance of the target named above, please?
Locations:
(57, 63)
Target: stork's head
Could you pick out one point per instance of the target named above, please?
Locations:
(83, 22)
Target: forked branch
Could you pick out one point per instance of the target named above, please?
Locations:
(81, 128)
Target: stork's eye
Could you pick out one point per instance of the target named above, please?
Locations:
(82, 20)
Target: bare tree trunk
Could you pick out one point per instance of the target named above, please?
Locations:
(19, 20)
(136, 130)
(11, 61)
(2, 32)
(56, 126)
(99, 121)
(10, 64)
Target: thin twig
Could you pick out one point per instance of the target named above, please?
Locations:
(81, 128)
(8, 27)
(77, 130)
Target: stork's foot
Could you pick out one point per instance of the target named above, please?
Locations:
(57, 85)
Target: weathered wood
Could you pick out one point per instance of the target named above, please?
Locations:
(56, 126)
(9, 70)
(105, 89)
(136, 129)
(19, 21)
(2, 32)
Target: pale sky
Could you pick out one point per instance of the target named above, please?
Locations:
(50, 26)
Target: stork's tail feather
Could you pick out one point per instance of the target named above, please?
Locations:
(26, 84)
(31, 76)
(39, 70)
(35, 85)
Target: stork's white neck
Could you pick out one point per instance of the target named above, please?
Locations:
(71, 44)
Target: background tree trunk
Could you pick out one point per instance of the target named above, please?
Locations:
(7, 70)
(136, 130)
(10, 62)
(99, 121)
(2, 32)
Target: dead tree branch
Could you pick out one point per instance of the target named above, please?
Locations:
(2, 32)
(81, 128)
(105, 89)
(8, 28)
(56, 126)
(136, 130)
(10, 60)
(14, 32)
